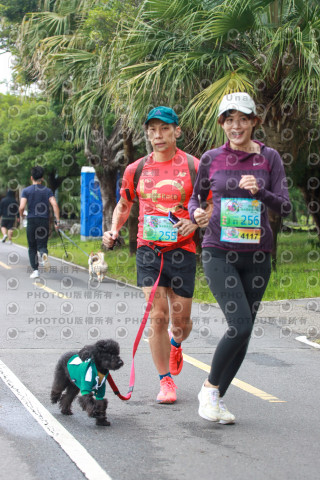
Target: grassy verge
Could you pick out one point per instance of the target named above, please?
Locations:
(297, 275)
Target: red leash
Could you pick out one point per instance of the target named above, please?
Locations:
(144, 320)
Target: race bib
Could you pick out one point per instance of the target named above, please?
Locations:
(159, 229)
(240, 220)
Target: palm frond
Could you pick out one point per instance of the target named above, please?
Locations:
(51, 23)
(203, 108)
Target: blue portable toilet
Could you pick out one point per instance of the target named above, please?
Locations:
(91, 205)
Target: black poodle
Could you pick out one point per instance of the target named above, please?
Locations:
(86, 371)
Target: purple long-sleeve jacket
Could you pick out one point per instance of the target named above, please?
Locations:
(220, 171)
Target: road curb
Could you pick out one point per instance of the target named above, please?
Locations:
(84, 268)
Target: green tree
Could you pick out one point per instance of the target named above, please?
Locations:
(15, 10)
(32, 134)
(67, 50)
(189, 53)
(12, 13)
(298, 206)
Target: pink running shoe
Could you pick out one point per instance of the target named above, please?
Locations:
(167, 392)
(175, 360)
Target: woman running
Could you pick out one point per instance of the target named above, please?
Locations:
(246, 178)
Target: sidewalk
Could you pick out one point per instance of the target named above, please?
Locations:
(299, 317)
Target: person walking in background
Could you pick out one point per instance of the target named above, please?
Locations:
(38, 197)
(9, 212)
(164, 186)
(246, 178)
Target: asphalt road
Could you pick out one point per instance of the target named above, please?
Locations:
(275, 396)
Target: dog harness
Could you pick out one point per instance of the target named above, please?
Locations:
(86, 377)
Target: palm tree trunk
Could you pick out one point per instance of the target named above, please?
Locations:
(108, 185)
(312, 199)
(134, 213)
(275, 224)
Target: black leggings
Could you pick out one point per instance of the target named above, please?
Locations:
(238, 281)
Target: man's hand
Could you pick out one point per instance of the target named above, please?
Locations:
(119, 217)
(185, 227)
(109, 238)
(57, 225)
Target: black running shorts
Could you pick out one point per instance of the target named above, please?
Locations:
(178, 272)
(7, 223)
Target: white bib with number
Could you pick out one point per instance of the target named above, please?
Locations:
(159, 229)
(240, 220)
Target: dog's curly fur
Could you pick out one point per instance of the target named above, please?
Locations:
(105, 354)
(97, 265)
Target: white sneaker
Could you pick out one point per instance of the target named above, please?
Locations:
(45, 262)
(4, 238)
(226, 417)
(9, 242)
(209, 404)
(35, 274)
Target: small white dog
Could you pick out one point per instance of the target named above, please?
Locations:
(97, 265)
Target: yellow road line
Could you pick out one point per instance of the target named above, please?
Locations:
(5, 266)
(50, 290)
(256, 391)
(237, 383)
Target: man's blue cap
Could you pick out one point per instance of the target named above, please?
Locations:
(167, 115)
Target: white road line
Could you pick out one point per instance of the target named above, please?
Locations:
(304, 339)
(77, 453)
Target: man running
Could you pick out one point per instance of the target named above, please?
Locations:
(38, 197)
(164, 185)
(9, 212)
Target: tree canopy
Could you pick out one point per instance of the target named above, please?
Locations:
(188, 54)
(31, 133)
(108, 62)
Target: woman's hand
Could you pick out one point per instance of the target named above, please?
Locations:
(185, 227)
(202, 217)
(249, 182)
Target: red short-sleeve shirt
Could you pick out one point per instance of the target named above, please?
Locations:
(162, 187)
